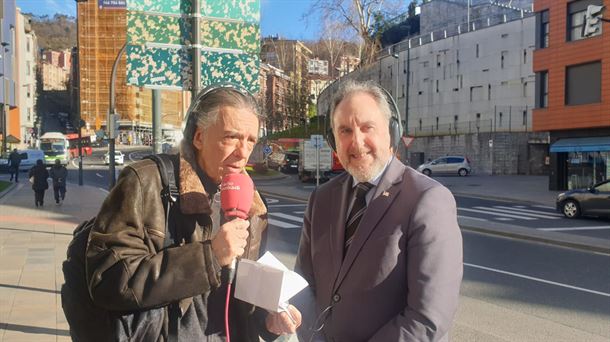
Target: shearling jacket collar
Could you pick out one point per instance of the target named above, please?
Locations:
(195, 200)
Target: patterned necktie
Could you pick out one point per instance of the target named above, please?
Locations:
(356, 213)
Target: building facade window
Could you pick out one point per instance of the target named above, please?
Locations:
(583, 83)
(543, 29)
(542, 89)
(576, 18)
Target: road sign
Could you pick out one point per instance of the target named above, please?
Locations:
(491, 143)
(407, 140)
(317, 140)
(267, 150)
(159, 43)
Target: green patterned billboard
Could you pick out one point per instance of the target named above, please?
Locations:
(159, 43)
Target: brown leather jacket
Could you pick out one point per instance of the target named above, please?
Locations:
(128, 269)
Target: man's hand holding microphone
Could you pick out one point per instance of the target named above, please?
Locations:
(236, 194)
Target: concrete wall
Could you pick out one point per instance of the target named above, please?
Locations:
(511, 153)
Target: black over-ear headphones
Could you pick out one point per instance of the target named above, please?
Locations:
(205, 93)
(395, 128)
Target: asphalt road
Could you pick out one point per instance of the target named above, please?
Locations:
(563, 286)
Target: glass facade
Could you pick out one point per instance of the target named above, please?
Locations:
(587, 168)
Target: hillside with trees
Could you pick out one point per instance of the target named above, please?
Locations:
(55, 33)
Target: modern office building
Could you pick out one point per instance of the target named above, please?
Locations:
(572, 93)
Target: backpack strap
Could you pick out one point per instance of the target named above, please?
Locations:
(169, 191)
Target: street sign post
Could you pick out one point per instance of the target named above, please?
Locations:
(160, 38)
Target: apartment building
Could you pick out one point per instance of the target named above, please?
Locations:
(572, 93)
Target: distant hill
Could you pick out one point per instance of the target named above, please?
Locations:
(55, 33)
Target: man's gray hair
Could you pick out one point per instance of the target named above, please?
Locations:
(351, 87)
(203, 113)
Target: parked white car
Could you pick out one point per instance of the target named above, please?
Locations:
(449, 165)
(119, 158)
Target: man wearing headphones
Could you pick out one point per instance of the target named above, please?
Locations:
(380, 246)
(128, 267)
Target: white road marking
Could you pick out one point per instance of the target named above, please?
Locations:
(495, 210)
(497, 214)
(529, 211)
(104, 190)
(574, 228)
(272, 200)
(543, 207)
(287, 217)
(538, 280)
(282, 224)
(287, 205)
(503, 219)
(97, 174)
(298, 212)
(472, 218)
(519, 206)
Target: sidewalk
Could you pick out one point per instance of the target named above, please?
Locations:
(33, 246)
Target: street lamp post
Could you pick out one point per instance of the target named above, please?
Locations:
(5, 103)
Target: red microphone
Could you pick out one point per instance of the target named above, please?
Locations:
(236, 193)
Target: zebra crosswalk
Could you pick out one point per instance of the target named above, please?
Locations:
(290, 215)
(508, 213)
(286, 216)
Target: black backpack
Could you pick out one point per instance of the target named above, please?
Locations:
(89, 322)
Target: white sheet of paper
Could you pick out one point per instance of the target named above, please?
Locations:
(267, 283)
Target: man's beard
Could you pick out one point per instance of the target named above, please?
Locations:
(363, 173)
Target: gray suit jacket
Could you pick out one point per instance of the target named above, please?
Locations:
(400, 279)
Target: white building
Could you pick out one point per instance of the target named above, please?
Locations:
(27, 48)
(466, 92)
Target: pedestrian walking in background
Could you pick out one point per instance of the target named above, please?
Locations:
(58, 174)
(14, 160)
(38, 176)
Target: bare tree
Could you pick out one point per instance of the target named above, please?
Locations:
(333, 40)
(359, 16)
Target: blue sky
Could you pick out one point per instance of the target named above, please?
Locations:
(283, 17)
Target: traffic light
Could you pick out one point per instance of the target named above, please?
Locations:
(593, 19)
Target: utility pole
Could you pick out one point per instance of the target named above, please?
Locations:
(196, 49)
(5, 104)
(111, 118)
(156, 120)
(78, 113)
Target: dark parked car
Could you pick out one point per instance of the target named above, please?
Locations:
(291, 162)
(594, 201)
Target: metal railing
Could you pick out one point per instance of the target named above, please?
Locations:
(474, 25)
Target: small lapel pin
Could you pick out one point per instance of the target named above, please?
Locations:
(385, 194)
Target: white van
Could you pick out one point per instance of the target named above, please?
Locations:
(29, 158)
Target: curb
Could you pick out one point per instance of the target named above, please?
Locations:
(497, 198)
(265, 178)
(294, 198)
(8, 190)
(584, 243)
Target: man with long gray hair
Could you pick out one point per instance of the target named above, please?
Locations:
(128, 267)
